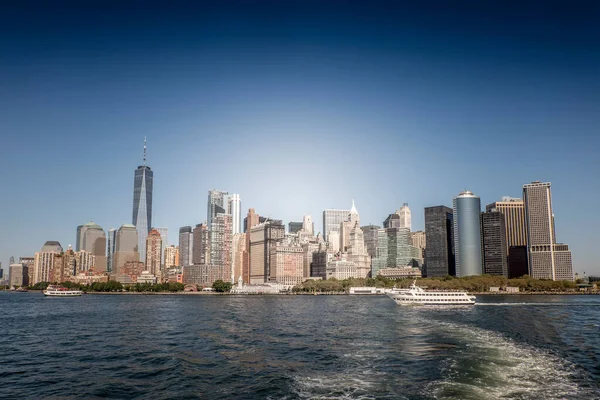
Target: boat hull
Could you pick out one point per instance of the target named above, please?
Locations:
(63, 294)
(407, 300)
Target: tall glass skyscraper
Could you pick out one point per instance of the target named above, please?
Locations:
(142, 203)
(235, 209)
(215, 205)
(467, 234)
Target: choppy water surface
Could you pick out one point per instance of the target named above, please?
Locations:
(297, 347)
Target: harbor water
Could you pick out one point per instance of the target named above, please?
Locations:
(297, 347)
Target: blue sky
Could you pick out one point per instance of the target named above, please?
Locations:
(297, 107)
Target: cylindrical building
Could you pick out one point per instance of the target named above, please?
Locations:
(467, 234)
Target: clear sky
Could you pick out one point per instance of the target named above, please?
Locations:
(296, 106)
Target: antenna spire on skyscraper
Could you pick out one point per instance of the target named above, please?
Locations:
(144, 151)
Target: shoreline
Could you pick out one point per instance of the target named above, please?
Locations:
(317, 293)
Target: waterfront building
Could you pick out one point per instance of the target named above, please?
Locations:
(66, 265)
(129, 272)
(200, 249)
(439, 256)
(405, 217)
(263, 237)
(93, 240)
(110, 250)
(370, 234)
(234, 207)
(126, 248)
(142, 203)
(215, 205)
(201, 274)
(518, 262)
(392, 221)
(547, 258)
(185, 245)
(154, 253)
(340, 268)
(295, 227)
(308, 225)
(400, 272)
(18, 275)
(286, 262)
(332, 220)
(147, 276)
(467, 234)
(220, 241)
(493, 231)
(513, 211)
(238, 256)
(171, 257)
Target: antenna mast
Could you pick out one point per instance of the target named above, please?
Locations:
(144, 151)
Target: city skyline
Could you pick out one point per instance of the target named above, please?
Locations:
(313, 97)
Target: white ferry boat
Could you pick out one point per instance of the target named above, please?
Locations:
(59, 291)
(417, 296)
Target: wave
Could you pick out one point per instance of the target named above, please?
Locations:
(491, 366)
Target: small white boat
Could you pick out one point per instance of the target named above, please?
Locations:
(418, 296)
(59, 291)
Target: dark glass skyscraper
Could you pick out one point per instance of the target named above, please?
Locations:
(142, 203)
(439, 252)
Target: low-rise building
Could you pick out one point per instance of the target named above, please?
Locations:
(146, 277)
(400, 272)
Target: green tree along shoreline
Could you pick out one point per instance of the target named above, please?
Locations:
(481, 283)
(114, 286)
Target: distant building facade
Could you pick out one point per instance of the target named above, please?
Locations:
(215, 205)
(110, 248)
(126, 248)
(142, 203)
(18, 275)
(513, 211)
(295, 227)
(220, 241)
(308, 225)
(439, 254)
(263, 237)
(154, 253)
(518, 262)
(200, 251)
(234, 207)
(286, 262)
(186, 245)
(171, 257)
(547, 258)
(405, 217)
(332, 220)
(467, 234)
(495, 260)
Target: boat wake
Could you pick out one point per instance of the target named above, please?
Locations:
(491, 366)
